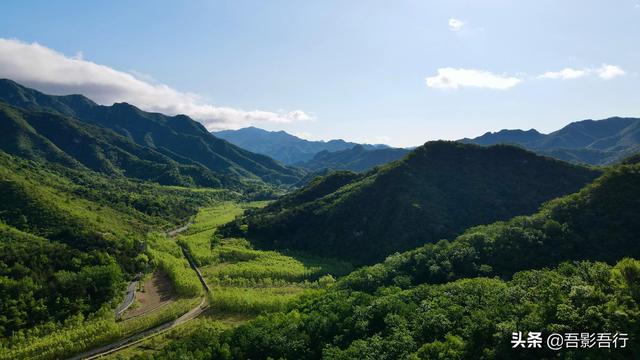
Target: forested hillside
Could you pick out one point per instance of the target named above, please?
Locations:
(70, 238)
(437, 191)
(50, 137)
(178, 138)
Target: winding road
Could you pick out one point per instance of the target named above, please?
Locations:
(146, 334)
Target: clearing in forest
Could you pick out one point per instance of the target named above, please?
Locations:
(154, 292)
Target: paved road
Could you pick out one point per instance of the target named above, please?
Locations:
(128, 299)
(137, 338)
(177, 231)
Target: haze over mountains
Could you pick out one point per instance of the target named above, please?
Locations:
(287, 148)
(358, 159)
(595, 142)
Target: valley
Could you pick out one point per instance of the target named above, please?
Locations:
(441, 252)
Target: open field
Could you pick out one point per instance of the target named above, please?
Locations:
(246, 280)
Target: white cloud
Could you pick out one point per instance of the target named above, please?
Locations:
(455, 24)
(605, 72)
(52, 72)
(454, 78)
(566, 73)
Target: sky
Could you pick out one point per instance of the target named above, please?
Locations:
(395, 72)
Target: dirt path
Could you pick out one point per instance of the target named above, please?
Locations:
(156, 291)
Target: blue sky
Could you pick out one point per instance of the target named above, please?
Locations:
(338, 69)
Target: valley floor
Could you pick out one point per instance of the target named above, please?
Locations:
(244, 282)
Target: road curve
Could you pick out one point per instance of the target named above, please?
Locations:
(128, 300)
(139, 337)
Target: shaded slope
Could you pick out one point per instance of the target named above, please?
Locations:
(597, 223)
(437, 191)
(51, 137)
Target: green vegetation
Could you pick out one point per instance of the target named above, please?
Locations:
(79, 334)
(249, 281)
(598, 223)
(199, 325)
(166, 255)
(434, 193)
(436, 302)
(71, 237)
(199, 236)
(88, 194)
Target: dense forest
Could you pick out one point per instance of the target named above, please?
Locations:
(464, 319)
(434, 193)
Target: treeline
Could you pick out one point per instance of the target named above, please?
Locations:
(166, 255)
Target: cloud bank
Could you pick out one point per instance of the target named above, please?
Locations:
(52, 72)
(605, 72)
(451, 78)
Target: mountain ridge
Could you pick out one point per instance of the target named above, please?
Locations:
(594, 142)
(284, 147)
(178, 138)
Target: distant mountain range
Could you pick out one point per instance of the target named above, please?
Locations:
(358, 159)
(124, 140)
(595, 142)
(284, 147)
